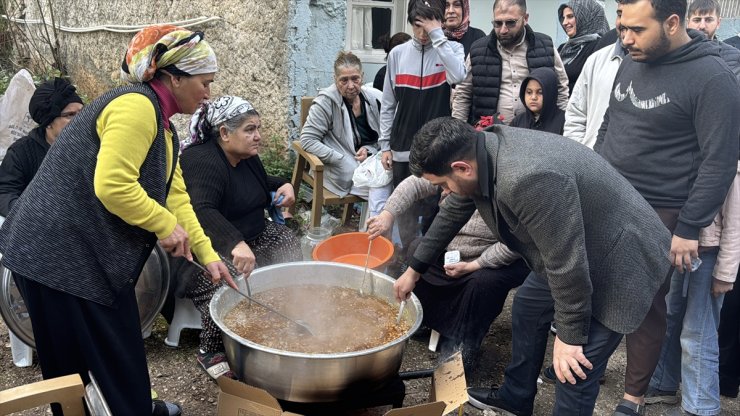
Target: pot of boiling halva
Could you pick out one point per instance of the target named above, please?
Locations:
(356, 345)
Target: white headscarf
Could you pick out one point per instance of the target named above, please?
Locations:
(211, 114)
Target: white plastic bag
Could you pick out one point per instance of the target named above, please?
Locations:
(371, 173)
(15, 122)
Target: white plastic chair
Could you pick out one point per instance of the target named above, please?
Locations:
(185, 316)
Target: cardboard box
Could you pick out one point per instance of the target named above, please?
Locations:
(239, 399)
(448, 393)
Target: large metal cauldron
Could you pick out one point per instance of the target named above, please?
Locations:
(151, 293)
(301, 377)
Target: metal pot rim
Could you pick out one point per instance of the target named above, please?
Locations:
(222, 290)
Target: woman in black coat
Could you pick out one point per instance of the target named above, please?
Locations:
(584, 22)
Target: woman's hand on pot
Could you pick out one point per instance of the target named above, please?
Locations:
(244, 260)
(177, 243)
(461, 268)
(387, 159)
(405, 284)
(361, 154)
(288, 196)
(379, 224)
(218, 271)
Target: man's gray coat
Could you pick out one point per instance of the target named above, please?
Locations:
(573, 218)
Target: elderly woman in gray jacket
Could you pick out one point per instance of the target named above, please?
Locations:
(342, 130)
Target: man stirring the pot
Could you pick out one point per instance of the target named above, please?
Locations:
(545, 197)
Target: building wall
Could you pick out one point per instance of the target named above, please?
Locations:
(249, 41)
(542, 18)
(316, 33)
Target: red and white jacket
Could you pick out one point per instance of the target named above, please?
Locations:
(417, 89)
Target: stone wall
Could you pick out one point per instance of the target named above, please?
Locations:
(316, 33)
(250, 43)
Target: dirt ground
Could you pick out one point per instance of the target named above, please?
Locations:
(176, 377)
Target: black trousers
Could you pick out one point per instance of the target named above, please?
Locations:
(729, 341)
(464, 308)
(74, 335)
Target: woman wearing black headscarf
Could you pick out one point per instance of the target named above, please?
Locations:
(52, 106)
(584, 22)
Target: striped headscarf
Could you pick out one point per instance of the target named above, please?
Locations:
(177, 50)
(212, 114)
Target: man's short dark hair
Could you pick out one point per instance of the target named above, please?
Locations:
(427, 9)
(439, 143)
(521, 3)
(665, 8)
(704, 7)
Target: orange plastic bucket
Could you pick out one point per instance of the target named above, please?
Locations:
(351, 248)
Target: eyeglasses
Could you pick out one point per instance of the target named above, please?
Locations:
(510, 24)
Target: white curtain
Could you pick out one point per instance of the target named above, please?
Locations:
(362, 28)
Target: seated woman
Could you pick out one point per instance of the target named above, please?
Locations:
(342, 130)
(584, 22)
(539, 93)
(460, 300)
(230, 190)
(52, 106)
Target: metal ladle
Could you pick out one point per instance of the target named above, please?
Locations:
(300, 324)
(400, 311)
(367, 259)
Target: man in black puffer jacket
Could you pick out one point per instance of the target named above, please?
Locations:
(498, 63)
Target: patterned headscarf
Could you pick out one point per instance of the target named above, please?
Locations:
(211, 114)
(460, 31)
(173, 48)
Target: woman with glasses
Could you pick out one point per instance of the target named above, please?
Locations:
(52, 106)
(584, 22)
(342, 130)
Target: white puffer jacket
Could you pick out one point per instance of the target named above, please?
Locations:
(725, 233)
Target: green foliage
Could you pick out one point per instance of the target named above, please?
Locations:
(5, 77)
(49, 73)
(276, 158)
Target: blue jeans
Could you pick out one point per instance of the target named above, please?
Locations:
(690, 354)
(531, 314)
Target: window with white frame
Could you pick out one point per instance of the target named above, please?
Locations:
(370, 23)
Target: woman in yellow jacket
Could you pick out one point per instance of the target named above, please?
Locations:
(109, 189)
